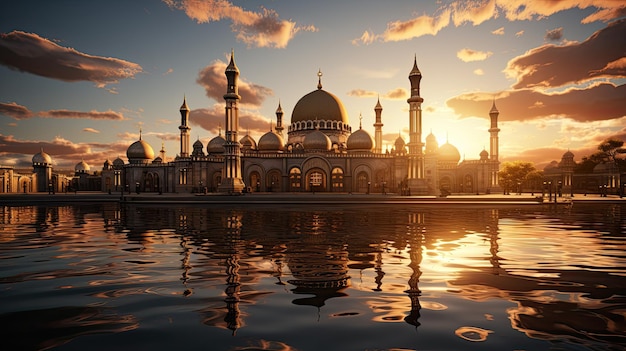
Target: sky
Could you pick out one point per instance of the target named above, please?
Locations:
(81, 79)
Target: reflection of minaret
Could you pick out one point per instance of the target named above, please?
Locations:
(233, 287)
(184, 129)
(494, 248)
(279, 120)
(416, 223)
(231, 172)
(378, 131)
(494, 145)
(379, 271)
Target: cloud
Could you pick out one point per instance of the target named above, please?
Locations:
(28, 52)
(554, 66)
(468, 55)
(601, 101)
(261, 29)
(65, 153)
(212, 120)
(108, 115)
(91, 130)
(15, 111)
(476, 12)
(395, 94)
(479, 72)
(554, 34)
(169, 70)
(519, 34)
(499, 31)
(213, 80)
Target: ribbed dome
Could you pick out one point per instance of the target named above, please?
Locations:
(271, 142)
(139, 150)
(247, 143)
(360, 141)
(82, 166)
(41, 158)
(216, 145)
(316, 141)
(449, 153)
(319, 105)
(198, 145)
(198, 148)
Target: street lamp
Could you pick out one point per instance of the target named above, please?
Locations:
(369, 184)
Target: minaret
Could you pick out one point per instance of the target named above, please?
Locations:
(378, 131)
(494, 145)
(231, 172)
(416, 180)
(279, 120)
(184, 129)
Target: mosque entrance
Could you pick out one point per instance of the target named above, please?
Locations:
(316, 180)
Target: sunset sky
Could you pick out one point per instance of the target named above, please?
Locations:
(80, 78)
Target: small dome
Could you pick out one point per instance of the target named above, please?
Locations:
(197, 148)
(216, 145)
(271, 142)
(158, 160)
(432, 146)
(247, 143)
(82, 166)
(484, 155)
(140, 151)
(399, 144)
(360, 141)
(316, 141)
(449, 153)
(118, 163)
(552, 167)
(42, 158)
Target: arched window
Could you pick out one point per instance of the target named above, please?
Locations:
(255, 181)
(363, 183)
(337, 179)
(295, 179)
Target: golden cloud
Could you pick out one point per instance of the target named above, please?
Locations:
(468, 55)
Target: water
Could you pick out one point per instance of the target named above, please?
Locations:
(371, 277)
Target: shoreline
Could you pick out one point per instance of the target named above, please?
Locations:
(299, 198)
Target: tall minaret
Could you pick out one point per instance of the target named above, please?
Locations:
(494, 145)
(231, 172)
(184, 129)
(415, 177)
(378, 131)
(279, 120)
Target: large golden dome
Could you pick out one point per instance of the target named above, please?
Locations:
(271, 142)
(317, 141)
(139, 150)
(319, 105)
(449, 153)
(360, 141)
(42, 158)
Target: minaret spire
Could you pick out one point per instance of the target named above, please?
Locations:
(378, 125)
(184, 128)
(279, 119)
(319, 79)
(416, 180)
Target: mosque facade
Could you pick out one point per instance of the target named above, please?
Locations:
(317, 152)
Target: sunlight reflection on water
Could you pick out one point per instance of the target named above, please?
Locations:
(309, 278)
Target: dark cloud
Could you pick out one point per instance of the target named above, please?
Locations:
(554, 66)
(28, 52)
(602, 101)
(15, 111)
(110, 115)
(213, 80)
(554, 34)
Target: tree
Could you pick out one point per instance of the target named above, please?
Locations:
(513, 174)
(610, 150)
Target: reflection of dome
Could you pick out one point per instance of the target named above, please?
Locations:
(247, 143)
(317, 141)
(139, 151)
(42, 158)
(271, 142)
(319, 105)
(360, 141)
(449, 153)
(216, 145)
(82, 166)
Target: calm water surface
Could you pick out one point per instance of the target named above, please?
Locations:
(101, 277)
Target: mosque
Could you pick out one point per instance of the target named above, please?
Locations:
(321, 153)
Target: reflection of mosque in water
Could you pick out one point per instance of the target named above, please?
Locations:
(316, 249)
